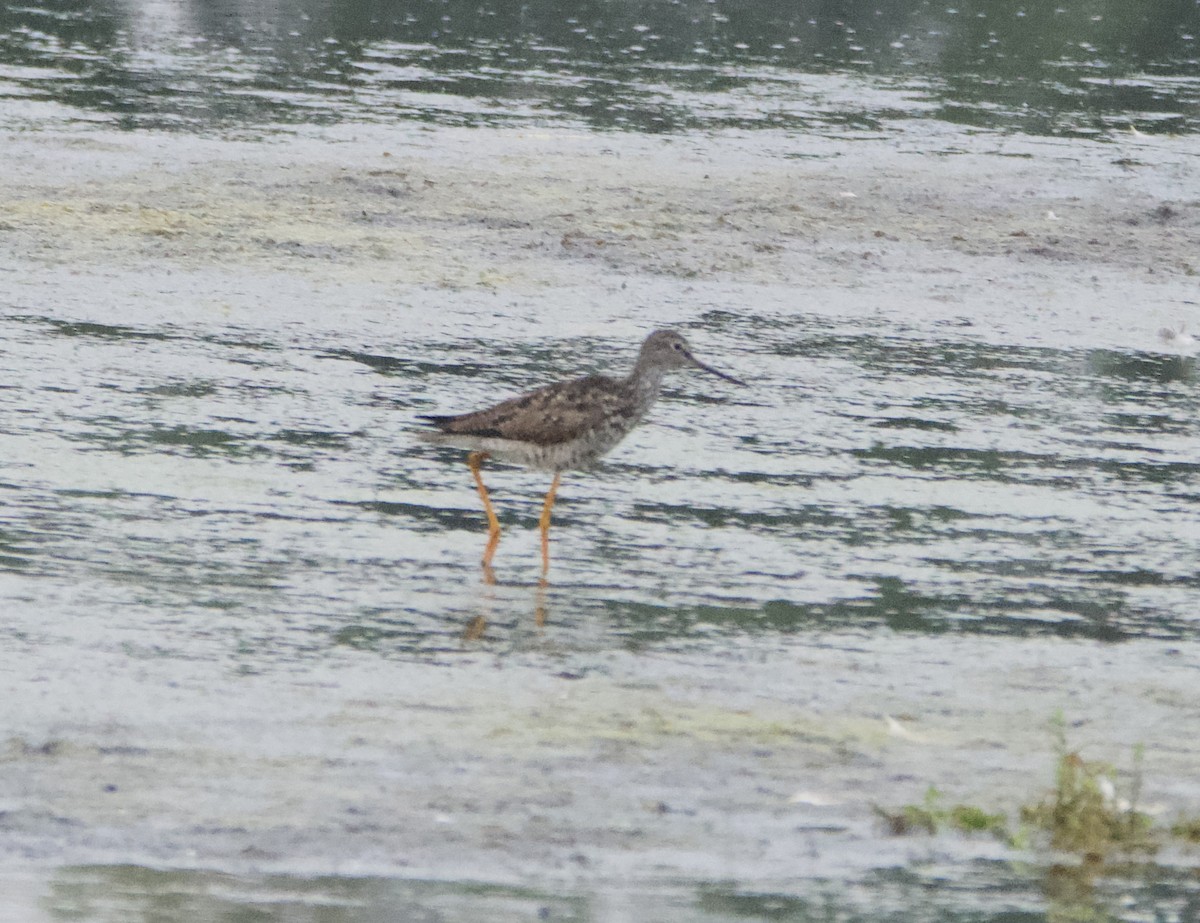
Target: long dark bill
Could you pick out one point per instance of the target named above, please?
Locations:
(711, 371)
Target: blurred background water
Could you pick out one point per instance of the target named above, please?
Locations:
(1074, 68)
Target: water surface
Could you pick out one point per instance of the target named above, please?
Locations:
(251, 661)
(1071, 69)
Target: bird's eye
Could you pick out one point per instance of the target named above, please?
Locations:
(677, 346)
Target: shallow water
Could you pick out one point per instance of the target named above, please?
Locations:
(863, 478)
(1066, 70)
(251, 662)
(893, 896)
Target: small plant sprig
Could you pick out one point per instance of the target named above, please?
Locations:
(1083, 813)
(931, 816)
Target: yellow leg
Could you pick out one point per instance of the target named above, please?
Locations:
(544, 522)
(539, 602)
(475, 461)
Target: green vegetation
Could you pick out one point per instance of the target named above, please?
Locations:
(1084, 814)
(1187, 829)
(931, 816)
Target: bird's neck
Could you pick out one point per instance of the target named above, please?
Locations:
(645, 382)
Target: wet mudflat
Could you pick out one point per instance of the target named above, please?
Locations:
(250, 656)
(251, 668)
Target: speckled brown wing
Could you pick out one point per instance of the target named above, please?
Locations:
(555, 414)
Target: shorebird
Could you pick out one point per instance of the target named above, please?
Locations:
(562, 426)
